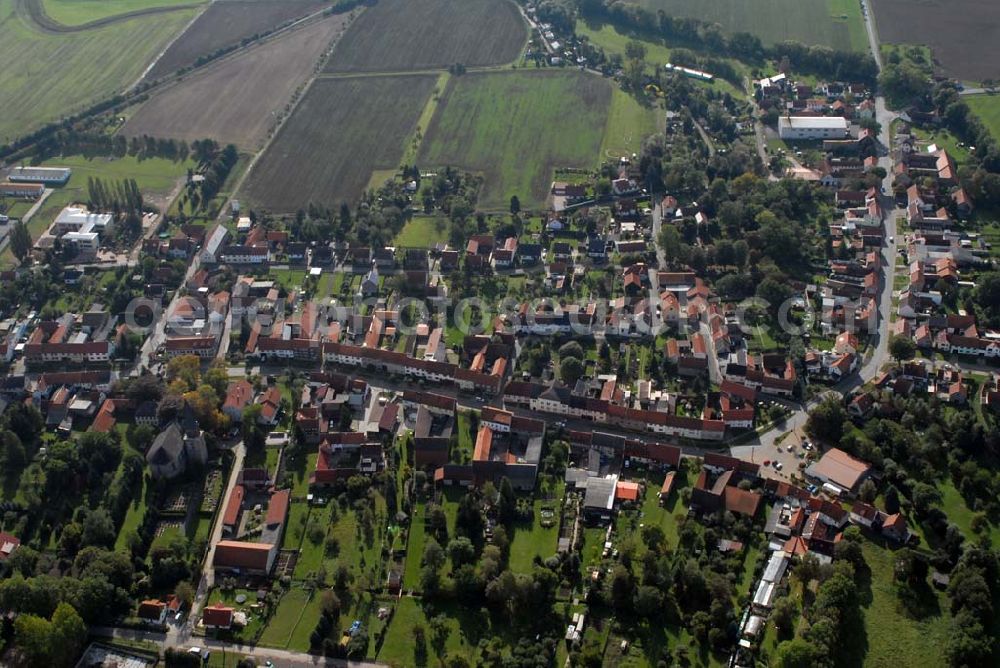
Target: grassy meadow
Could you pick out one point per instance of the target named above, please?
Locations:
(47, 76)
(79, 12)
(834, 23)
(516, 128)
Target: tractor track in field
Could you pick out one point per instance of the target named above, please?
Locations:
(33, 11)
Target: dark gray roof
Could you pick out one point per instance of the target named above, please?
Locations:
(167, 446)
(600, 493)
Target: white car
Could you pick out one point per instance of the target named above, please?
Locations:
(778, 465)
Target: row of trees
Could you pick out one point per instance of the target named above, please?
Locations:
(695, 33)
(116, 196)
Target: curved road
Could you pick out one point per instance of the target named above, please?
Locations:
(34, 12)
(880, 339)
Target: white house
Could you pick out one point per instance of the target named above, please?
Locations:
(813, 127)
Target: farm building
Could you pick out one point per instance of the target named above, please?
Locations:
(56, 176)
(838, 468)
(12, 189)
(690, 73)
(813, 127)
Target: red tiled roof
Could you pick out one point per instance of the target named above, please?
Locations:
(668, 484)
(151, 609)
(277, 508)
(484, 442)
(626, 491)
(217, 615)
(232, 514)
(239, 554)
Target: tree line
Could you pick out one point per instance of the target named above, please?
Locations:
(118, 196)
(694, 33)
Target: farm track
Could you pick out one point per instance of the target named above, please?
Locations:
(34, 12)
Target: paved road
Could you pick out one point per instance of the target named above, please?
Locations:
(158, 335)
(764, 447)
(281, 658)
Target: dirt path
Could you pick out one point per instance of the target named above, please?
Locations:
(34, 12)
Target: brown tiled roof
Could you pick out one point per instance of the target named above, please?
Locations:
(239, 554)
(277, 508)
(217, 615)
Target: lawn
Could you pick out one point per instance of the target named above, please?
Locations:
(133, 518)
(662, 515)
(514, 128)
(833, 23)
(398, 648)
(534, 540)
(423, 232)
(630, 121)
(613, 39)
(48, 75)
(294, 620)
(255, 622)
(79, 12)
(354, 550)
(958, 511)
(415, 548)
(987, 108)
(290, 279)
(892, 638)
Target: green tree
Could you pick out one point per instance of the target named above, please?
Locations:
(68, 634)
(826, 420)
(570, 370)
(797, 653)
(20, 240)
(902, 348)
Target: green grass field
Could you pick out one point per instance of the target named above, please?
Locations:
(464, 626)
(629, 123)
(534, 540)
(891, 637)
(46, 76)
(987, 108)
(517, 128)
(613, 40)
(422, 232)
(78, 12)
(833, 23)
(293, 621)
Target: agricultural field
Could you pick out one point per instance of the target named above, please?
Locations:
(834, 23)
(516, 129)
(987, 108)
(341, 131)
(48, 74)
(406, 35)
(964, 35)
(238, 99)
(225, 24)
(82, 12)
